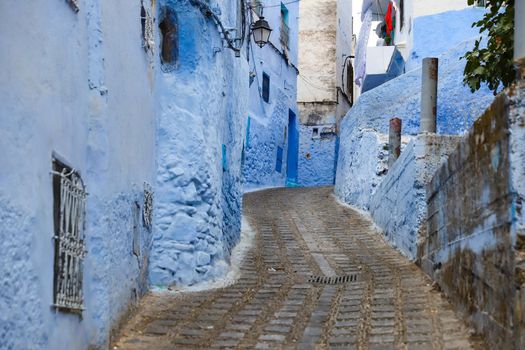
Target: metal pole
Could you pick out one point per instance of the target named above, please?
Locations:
(394, 141)
(429, 84)
(519, 29)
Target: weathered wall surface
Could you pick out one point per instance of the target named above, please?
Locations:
(267, 128)
(398, 205)
(471, 211)
(317, 50)
(317, 155)
(202, 101)
(263, 137)
(79, 86)
(357, 175)
(359, 172)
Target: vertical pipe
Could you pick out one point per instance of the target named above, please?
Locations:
(394, 141)
(519, 29)
(429, 84)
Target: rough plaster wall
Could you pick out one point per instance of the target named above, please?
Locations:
(264, 138)
(120, 141)
(84, 106)
(317, 51)
(197, 203)
(43, 108)
(398, 206)
(21, 320)
(457, 110)
(362, 164)
(444, 31)
(469, 247)
(268, 127)
(316, 157)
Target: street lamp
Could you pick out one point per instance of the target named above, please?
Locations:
(261, 32)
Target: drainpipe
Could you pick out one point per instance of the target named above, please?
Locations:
(429, 84)
(394, 141)
(519, 29)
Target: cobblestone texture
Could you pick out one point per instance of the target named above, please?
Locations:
(304, 232)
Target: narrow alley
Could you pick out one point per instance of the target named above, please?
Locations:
(317, 276)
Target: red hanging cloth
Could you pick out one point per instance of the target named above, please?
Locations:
(389, 20)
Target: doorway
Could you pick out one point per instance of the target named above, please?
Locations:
(292, 156)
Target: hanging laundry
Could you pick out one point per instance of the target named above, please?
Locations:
(362, 43)
(390, 21)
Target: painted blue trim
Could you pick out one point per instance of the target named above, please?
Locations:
(224, 159)
(248, 125)
(284, 13)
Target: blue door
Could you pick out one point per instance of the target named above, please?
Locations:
(292, 157)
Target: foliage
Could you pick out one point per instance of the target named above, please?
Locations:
(493, 63)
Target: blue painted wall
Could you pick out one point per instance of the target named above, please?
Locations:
(316, 157)
(201, 107)
(268, 127)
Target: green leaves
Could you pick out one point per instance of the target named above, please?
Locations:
(492, 64)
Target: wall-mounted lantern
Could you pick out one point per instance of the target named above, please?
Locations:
(261, 32)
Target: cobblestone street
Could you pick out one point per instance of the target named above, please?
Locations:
(376, 299)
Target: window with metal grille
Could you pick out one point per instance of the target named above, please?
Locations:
(266, 87)
(69, 213)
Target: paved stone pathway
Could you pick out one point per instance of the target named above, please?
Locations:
(380, 301)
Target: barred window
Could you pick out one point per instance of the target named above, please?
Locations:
(69, 213)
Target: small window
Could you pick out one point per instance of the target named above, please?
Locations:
(279, 163)
(315, 133)
(169, 32)
(266, 88)
(69, 204)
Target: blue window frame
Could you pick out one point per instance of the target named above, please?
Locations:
(266, 87)
(279, 163)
